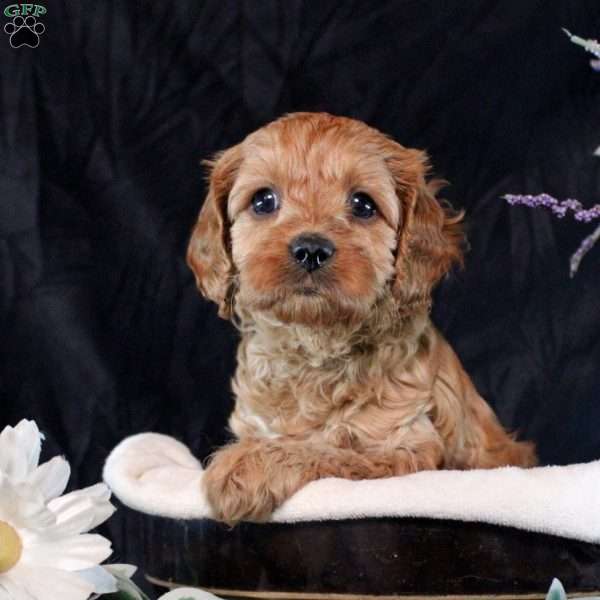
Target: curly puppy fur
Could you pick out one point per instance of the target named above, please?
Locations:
(340, 371)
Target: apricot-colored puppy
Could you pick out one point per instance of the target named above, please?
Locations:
(321, 239)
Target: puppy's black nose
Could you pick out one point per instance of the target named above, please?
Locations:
(311, 251)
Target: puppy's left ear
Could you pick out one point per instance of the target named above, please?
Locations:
(431, 237)
(209, 250)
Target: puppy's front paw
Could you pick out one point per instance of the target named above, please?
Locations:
(236, 485)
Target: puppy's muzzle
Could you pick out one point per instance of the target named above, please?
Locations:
(311, 251)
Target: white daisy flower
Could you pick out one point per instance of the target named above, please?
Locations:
(45, 550)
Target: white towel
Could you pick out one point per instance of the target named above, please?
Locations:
(158, 475)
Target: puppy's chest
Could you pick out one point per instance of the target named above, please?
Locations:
(336, 400)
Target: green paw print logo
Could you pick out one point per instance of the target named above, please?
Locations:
(189, 594)
(24, 29)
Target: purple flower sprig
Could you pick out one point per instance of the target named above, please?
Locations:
(558, 208)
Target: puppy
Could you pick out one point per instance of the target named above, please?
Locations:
(322, 240)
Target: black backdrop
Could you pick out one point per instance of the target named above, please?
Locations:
(102, 130)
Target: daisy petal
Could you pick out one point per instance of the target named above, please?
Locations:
(20, 449)
(50, 584)
(70, 554)
(23, 507)
(51, 478)
(30, 438)
(99, 577)
(98, 492)
(13, 457)
(70, 522)
(78, 512)
(14, 590)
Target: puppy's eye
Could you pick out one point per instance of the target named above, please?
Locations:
(362, 205)
(265, 201)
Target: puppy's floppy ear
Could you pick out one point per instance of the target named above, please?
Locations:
(209, 250)
(431, 237)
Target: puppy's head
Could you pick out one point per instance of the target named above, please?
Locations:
(313, 219)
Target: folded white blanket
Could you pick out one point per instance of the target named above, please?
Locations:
(158, 475)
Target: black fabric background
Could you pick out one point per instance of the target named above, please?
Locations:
(102, 130)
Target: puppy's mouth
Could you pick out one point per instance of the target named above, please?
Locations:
(311, 285)
(308, 300)
(307, 291)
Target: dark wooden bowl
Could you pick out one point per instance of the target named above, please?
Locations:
(367, 557)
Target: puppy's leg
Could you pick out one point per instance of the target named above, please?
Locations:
(418, 456)
(249, 479)
(473, 435)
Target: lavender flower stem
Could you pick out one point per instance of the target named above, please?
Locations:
(585, 246)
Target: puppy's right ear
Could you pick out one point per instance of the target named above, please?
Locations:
(209, 250)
